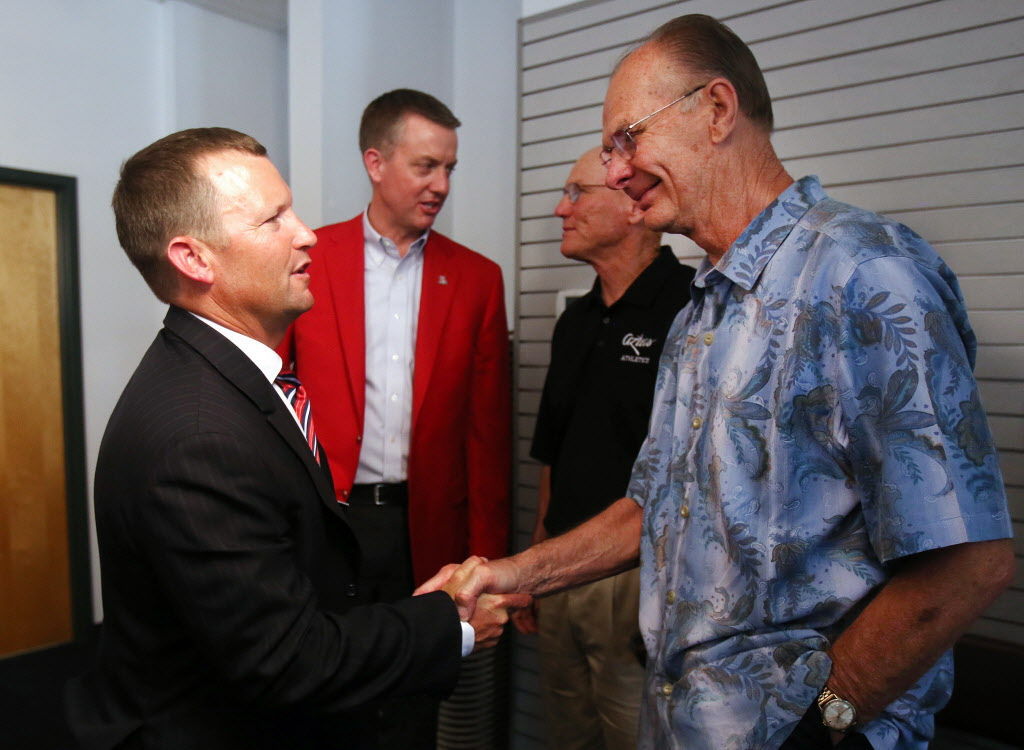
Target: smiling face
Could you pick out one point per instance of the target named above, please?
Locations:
(669, 176)
(260, 266)
(599, 220)
(411, 181)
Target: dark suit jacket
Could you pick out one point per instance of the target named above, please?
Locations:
(227, 570)
(460, 448)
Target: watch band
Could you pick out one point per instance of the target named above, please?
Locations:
(837, 713)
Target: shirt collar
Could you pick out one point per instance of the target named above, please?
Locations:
(266, 359)
(378, 246)
(644, 289)
(744, 261)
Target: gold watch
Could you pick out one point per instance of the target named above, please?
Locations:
(836, 713)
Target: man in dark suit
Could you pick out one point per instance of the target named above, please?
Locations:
(228, 566)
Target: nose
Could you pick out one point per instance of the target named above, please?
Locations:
(564, 207)
(618, 172)
(304, 237)
(441, 182)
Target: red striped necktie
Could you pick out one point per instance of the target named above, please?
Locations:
(297, 397)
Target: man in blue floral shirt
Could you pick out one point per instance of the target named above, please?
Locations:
(818, 506)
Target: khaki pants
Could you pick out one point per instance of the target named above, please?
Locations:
(591, 676)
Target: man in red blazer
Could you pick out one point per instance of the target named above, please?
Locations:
(406, 357)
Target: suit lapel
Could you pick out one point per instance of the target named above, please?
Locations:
(240, 371)
(437, 290)
(344, 271)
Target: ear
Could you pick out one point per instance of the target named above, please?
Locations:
(191, 258)
(725, 106)
(636, 214)
(373, 161)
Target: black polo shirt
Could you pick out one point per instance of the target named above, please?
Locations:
(599, 387)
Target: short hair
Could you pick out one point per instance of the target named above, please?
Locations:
(161, 195)
(705, 45)
(383, 117)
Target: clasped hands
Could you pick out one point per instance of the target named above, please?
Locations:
(481, 590)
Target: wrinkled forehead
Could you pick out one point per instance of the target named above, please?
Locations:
(642, 82)
(588, 169)
(243, 181)
(228, 173)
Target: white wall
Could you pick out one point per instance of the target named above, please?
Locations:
(83, 85)
(344, 54)
(230, 74)
(534, 7)
(486, 75)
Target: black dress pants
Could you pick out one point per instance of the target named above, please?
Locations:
(385, 575)
(811, 734)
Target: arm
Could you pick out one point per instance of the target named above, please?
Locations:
(489, 438)
(606, 544)
(215, 530)
(525, 619)
(916, 616)
(916, 429)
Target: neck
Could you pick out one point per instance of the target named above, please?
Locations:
(747, 183)
(403, 239)
(247, 325)
(618, 271)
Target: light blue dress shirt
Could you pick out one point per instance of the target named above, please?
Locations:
(392, 303)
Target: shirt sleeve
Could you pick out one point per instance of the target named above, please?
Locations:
(468, 638)
(920, 447)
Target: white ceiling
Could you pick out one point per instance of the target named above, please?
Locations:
(271, 14)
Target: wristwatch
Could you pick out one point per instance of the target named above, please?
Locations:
(836, 713)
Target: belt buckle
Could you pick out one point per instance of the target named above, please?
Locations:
(376, 494)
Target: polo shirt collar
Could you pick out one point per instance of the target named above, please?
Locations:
(644, 289)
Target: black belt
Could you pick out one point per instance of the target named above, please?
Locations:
(379, 494)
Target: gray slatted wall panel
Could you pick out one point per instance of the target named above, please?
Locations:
(909, 108)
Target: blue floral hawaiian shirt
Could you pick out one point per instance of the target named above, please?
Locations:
(815, 418)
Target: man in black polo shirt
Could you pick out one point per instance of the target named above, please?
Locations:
(593, 418)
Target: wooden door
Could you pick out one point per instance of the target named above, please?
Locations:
(35, 576)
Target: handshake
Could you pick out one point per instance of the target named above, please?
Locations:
(485, 590)
(482, 592)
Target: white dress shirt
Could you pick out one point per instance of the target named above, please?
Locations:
(266, 359)
(392, 304)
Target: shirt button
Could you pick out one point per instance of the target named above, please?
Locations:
(359, 438)
(666, 689)
(670, 597)
(344, 493)
(394, 396)
(685, 511)
(394, 357)
(708, 338)
(606, 320)
(697, 422)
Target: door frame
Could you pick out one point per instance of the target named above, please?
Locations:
(65, 190)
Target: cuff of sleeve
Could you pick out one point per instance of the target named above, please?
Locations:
(468, 638)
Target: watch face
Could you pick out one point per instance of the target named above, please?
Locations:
(838, 714)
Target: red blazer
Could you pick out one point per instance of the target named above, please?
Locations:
(460, 445)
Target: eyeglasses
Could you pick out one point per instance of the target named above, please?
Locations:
(623, 141)
(573, 190)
